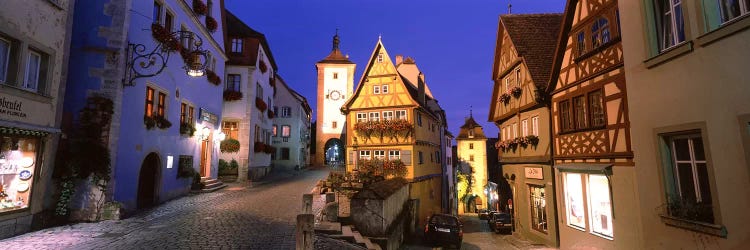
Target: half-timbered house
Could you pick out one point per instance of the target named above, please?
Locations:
(593, 159)
(389, 119)
(520, 109)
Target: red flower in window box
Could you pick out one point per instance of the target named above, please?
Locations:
(213, 77)
(211, 24)
(260, 104)
(271, 115)
(163, 36)
(232, 95)
(262, 66)
(199, 7)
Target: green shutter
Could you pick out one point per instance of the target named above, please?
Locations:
(711, 15)
(650, 23)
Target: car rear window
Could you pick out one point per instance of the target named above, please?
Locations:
(444, 220)
(502, 216)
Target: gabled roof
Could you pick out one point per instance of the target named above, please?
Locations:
(534, 37)
(295, 94)
(236, 28)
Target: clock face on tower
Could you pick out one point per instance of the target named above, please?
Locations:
(334, 95)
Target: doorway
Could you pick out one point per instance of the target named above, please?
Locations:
(334, 152)
(205, 167)
(147, 181)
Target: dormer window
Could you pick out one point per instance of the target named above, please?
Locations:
(471, 133)
(237, 45)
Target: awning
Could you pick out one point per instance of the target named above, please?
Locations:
(598, 168)
(19, 131)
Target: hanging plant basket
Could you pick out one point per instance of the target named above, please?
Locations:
(262, 66)
(199, 7)
(211, 24)
(262, 106)
(232, 95)
(229, 146)
(515, 92)
(532, 140)
(505, 98)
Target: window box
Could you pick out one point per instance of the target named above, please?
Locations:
(187, 129)
(259, 147)
(230, 146)
(271, 115)
(199, 7)
(156, 121)
(232, 95)
(696, 226)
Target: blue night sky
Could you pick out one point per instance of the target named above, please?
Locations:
(452, 41)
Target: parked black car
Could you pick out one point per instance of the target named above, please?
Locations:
(483, 214)
(444, 228)
(500, 222)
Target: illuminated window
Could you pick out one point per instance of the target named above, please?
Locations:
(334, 124)
(361, 117)
(286, 131)
(18, 168)
(596, 109)
(231, 129)
(401, 114)
(575, 216)
(538, 208)
(374, 116)
(149, 102)
(600, 205)
(471, 157)
(335, 75)
(524, 128)
(161, 104)
(535, 125)
(599, 212)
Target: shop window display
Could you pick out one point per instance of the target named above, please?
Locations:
(17, 164)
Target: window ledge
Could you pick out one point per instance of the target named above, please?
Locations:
(696, 226)
(24, 93)
(669, 54)
(728, 28)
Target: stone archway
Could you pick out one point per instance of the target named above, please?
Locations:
(148, 180)
(334, 152)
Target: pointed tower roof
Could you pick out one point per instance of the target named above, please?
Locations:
(470, 125)
(336, 56)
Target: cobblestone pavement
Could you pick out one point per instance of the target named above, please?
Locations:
(238, 217)
(477, 235)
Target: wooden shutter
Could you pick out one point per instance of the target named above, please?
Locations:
(406, 157)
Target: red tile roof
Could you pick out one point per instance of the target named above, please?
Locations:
(534, 36)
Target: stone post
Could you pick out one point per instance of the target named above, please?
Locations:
(305, 232)
(307, 200)
(332, 211)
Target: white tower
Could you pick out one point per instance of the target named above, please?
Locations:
(335, 85)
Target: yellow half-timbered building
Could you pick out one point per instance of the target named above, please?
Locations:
(520, 109)
(410, 125)
(593, 159)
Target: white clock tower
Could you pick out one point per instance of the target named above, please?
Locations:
(335, 85)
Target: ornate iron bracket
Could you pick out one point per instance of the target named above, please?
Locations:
(143, 63)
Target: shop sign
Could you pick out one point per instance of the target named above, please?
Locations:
(209, 117)
(11, 107)
(534, 173)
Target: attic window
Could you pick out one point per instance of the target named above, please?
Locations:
(471, 133)
(380, 57)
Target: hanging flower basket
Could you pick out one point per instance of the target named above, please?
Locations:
(262, 106)
(532, 139)
(213, 77)
(232, 95)
(199, 7)
(271, 115)
(262, 66)
(229, 146)
(515, 92)
(505, 98)
(211, 24)
(187, 129)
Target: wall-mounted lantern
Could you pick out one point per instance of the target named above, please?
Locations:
(143, 63)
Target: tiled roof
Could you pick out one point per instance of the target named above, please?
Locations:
(534, 36)
(236, 28)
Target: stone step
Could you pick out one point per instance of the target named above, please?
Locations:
(212, 184)
(328, 227)
(209, 181)
(214, 188)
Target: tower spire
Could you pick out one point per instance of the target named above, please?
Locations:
(336, 40)
(510, 6)
(471, 114)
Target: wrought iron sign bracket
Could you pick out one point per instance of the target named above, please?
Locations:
(143, 63)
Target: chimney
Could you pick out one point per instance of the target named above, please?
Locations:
(420, 89)
(399, 59)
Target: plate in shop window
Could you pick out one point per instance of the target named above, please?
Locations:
(24, 175)
(22, 187)
(26, 162)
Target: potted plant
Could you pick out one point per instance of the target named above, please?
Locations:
(213, 77)
(505, 98)
(187, 129)
(515, 91)
(532, 139)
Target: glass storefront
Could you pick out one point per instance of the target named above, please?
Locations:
(18, 155)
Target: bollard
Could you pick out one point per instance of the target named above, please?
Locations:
(307, 200)
(330, 197)
(305, 232)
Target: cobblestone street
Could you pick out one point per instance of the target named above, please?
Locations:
(258, 217)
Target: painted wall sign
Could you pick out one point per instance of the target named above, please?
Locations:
(534, 173)
(209, 117)
(11, 107)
